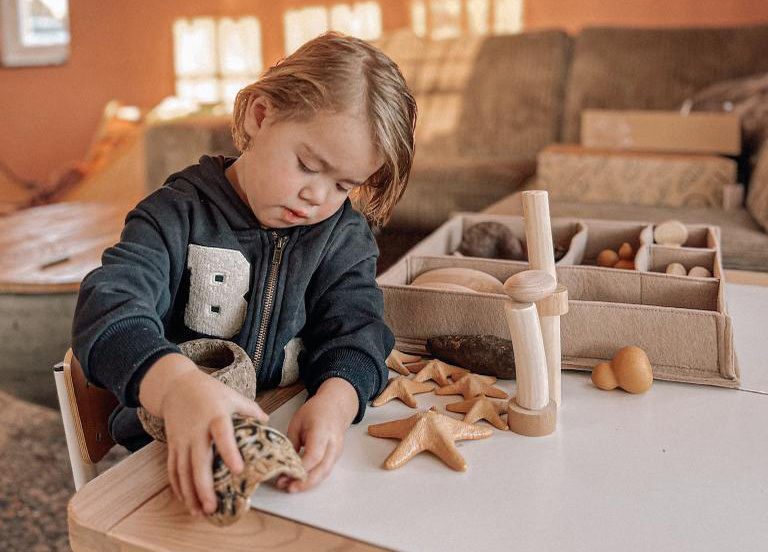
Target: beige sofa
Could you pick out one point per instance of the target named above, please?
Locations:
(488, 105)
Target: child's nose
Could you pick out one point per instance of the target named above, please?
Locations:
(314, 192)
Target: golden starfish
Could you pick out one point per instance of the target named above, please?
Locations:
(479, 377)
(397, 361)
(438, 371)
(428, 430)
(481, 408)
(472, 385)
(404, 389)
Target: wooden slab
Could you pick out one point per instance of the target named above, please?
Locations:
(49, 249)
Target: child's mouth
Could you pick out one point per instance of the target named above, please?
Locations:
(293, 216)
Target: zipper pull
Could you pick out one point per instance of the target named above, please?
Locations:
(279, 243)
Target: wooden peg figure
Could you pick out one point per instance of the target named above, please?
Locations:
(538, 234)
(532, 412)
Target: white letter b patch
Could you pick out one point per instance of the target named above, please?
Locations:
(218, 282)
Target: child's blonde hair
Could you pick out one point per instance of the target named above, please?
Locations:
(335, 72)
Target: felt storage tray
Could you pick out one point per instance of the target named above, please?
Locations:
(445, 240)
(681, 322)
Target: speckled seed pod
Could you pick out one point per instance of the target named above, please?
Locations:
(266, 452)
(223, 360)
(483, 354)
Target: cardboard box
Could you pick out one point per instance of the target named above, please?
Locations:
(661, 131)
(571, 172)
(680, 321)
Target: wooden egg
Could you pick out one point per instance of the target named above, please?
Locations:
(673, 233)
(626, 265)
(700, 272)
(632, 369)
(466, 277)
(607, 258)
(603, 377)
(530, 286)
(677, 269)
(626, 252)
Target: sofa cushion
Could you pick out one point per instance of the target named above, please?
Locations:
(497, 96)
(440, 187)
(655, 68)
(745, 245)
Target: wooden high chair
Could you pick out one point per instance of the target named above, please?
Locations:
(85, 411)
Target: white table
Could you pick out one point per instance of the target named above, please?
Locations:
(681, 467)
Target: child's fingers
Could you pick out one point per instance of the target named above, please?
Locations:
(251, 408)
(294, 434)
(185, 481)
(314, 449)
(202, 475)
(224, 436)
(321, 470)
(173, 476)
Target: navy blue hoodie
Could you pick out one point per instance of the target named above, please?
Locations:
(193, 261)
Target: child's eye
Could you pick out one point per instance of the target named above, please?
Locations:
(342, 188)
(303, 167)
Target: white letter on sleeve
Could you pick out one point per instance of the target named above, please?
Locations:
(218, 282)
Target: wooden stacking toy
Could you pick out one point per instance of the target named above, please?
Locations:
(531, 412)
(541, 256)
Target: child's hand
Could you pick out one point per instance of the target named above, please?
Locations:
(319, 427)
(196, 409)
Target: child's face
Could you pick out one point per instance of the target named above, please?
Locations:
(299, 173)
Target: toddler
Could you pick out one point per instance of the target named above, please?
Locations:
(267, 251)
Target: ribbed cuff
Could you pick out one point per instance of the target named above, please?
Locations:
(124, 353)
(357, 368)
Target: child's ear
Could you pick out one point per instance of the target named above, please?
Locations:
(259, 109)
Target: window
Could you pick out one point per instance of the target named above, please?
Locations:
(441, 19)
(361, 19)
(34, 32)
(215, 58)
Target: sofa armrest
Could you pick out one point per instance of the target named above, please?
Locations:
(757, 195)
(440, 187)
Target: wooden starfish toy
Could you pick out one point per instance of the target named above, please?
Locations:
(481, 408)
(404, 389)
(439, 371)
(471, 385)
(397, 361)
(428, 430)
(479, 377)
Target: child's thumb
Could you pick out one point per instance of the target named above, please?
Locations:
(248, 407)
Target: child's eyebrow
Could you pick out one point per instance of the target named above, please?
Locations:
(326, 165)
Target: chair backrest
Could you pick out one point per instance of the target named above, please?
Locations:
(85, 411)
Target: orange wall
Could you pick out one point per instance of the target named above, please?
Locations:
(573, 15)
(123, 50)
(119, 50)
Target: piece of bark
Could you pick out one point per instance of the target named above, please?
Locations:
(483, 354)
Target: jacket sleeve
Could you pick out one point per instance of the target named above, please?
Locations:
(117, 331)
(345, 334)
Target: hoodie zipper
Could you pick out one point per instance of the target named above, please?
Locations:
(269, 300)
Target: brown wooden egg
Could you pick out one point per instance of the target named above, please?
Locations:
(625, 264)
(626, 252)
(632, 369)
(603, 378)
(607, 258)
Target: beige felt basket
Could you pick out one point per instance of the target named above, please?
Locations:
(680, 321)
